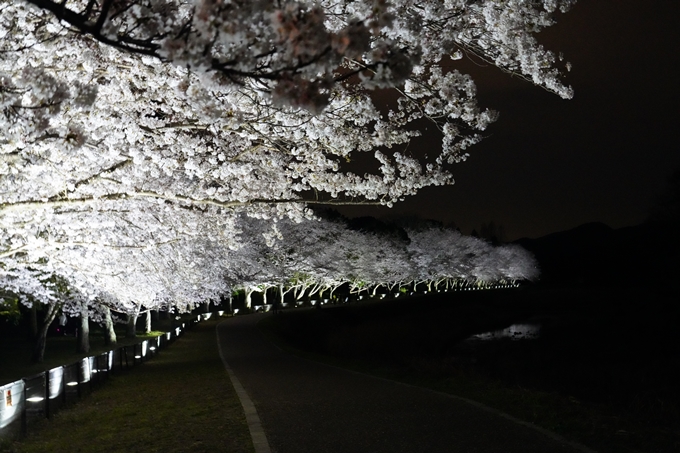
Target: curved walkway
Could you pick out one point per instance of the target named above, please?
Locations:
(306, 406)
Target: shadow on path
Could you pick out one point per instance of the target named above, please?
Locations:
(306, 406)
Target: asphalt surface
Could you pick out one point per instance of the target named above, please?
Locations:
(306, 406)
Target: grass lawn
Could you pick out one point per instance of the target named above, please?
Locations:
(603, 372)
(180, 401)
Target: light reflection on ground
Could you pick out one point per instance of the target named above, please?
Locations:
(514, 332)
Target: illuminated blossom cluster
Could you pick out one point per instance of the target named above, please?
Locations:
(134, 134)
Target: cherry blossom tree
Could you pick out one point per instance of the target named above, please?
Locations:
(136, 133)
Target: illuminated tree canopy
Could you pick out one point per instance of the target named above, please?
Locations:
(136, 134)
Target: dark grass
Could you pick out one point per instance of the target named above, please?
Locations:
(180, 401)
(604, 373)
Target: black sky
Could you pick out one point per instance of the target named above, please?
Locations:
(550, 164)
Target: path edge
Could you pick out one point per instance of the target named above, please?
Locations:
(257, 434)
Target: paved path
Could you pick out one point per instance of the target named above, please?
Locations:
(305, 406)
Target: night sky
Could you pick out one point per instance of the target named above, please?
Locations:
(549, 164)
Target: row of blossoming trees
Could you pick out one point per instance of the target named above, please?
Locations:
(136, 134)
(316, 258)
(299, 260)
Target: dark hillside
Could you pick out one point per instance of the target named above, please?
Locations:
(595, 255)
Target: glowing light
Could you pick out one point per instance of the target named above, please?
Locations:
(72, 383)
(138, 357)
(56, 378)
(207, 316)
(220, 313)
(152, 348)
(86, 367)
(35, 399)
(236, 310)
(10, 402)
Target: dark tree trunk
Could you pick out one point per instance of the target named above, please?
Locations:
(110, 334)
(34, 321)
(131, 330)
(84, 332)
(40, 341)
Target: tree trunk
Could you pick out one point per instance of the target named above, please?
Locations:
(34, 320)
(264, 297)
(110, 332)
(207, 307)
(131, 330)
(249, 292)
(230, 303)
(84, 332)
(281, 293)
(40, 341)
(147, 326)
